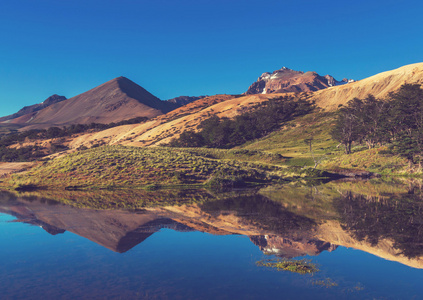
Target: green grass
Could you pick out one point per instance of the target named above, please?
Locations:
(289, 141)
(151, 168)
(279, 157)
(370, 160)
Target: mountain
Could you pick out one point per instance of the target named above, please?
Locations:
(379, 85)
(183, 100)
(286, 80)
(27, 110)
(116, 100)
(174, 123)
(164, 127)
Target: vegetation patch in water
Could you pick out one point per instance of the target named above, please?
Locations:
(327, 283)
(302, 266)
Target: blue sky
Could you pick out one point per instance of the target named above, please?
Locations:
(174, 48)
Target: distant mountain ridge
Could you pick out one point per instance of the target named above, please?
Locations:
(286, 80)
(34, 108)
(116, 100)
(121, 99)
(183, 100)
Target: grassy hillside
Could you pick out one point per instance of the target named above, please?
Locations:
(377, 160)
(289, 141)
(119, 166)
(379, 85)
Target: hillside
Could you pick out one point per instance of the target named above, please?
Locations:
(288, 141)
(133, 167)
(171, 125)
(379, 85)
(163, 128)
(116, 100)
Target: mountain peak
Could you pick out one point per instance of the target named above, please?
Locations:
(287, 80)
(53, 99)
(113, 101)
(121, 78)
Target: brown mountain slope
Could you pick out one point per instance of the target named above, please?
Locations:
(116, 100)
(157, 133)
(163, 128)
(379, 85)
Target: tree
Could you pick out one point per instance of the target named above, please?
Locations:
(188, 138)
(261, 120)
(407, 121)
(347, 128)
(371, 119)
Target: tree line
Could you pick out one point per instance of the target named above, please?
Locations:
(57, 132)
(396, 121)
(261, 120)
(29, 153)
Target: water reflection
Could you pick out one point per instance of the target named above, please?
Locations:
(398, 218)
(288, 221)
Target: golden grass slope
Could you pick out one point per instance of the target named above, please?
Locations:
(162, 129)
(379, 85)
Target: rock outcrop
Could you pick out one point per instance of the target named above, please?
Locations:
(286, 80)
(183, 100)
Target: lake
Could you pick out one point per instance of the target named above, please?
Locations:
(364, 239)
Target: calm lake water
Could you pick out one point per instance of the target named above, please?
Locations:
(365, 238)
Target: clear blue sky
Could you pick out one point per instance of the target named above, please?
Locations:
(174, 48)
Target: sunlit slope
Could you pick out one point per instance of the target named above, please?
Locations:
(114, 166)
(290, 140)
(379, 85)
(162, 129)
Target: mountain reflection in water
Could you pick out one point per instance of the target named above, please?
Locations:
(379, 218)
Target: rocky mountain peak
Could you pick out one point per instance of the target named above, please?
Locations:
(53, 99)
(287, 80)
